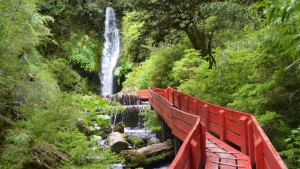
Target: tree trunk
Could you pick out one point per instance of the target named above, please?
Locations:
(199, 42)
(116, 142)
(197, 38)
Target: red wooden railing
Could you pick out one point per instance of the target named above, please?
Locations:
(189, 118)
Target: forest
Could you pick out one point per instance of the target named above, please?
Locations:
(240, 54)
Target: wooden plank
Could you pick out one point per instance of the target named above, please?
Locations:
(270, 157)
(267, 164)
(210, 165)
(195, 153)
(181, 124)
(182, 157)
(215, 118)
(256, 132)
(230, 136)
(215, 128)
(188, 118)
(259, 155)
(179, 133)
(214, 109)
(225, 157)
(251, 141)
(245, 161)
(232, 126)
(233, 115)
(244, 135)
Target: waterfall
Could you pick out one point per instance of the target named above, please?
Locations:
(110, 53)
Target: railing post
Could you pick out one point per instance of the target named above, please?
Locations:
(202, 144)
(195, 108)
(206, 112)
(244, 141)
(178, 100)
(259, 155)
(186, 99)
(223, 127)
(251, 141)
(166, 94)
(195, 146)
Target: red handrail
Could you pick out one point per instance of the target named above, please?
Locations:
(188, 116)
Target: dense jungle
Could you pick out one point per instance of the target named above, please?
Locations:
(240, 54)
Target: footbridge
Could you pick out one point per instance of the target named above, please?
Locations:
(213, 137)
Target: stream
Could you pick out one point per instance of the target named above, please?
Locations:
(134, 123)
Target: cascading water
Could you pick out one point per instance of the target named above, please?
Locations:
(110, 53)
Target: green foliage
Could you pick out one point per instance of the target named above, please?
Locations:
(67, 78)
(161, 60)
(279, 10)
(152, 121)
(82, 52)
(292, 153)
(184, 69)
(137, 142)
(22, 28)
(91, 103)
(133, 41)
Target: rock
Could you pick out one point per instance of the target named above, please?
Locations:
(149, 155)
(83, 128)
(46, 156)
(137, 142)
(105, 131)
(153, 140)
(119, 127)
(85, 111)
(100, 109)
(116, 142)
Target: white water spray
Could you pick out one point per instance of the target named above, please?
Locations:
(110, 53)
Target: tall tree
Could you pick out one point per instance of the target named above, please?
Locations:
(192, 17)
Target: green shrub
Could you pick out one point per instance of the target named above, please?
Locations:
(67, 79)
(82, 51)
(152, 121)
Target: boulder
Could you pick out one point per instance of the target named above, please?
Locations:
(148, 155)
(119, 127)
(116, 142)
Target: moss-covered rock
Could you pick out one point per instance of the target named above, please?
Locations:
(137, 142)
(119, 127)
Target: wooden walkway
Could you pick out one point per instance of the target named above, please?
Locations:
(221, 156)
(205, 130)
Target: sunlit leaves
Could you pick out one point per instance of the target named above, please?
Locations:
(21, 26)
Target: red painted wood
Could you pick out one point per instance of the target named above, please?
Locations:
(233, 126)
(215, 128)
(179, 133)
(143, 94)
(188, 118)
(222, 125)
(270, 160)
(181, 124)
(215, 118)
(182, 158)
(202, 144)
(240, 128)
(232, 137)
(259, 155)
(244, 135)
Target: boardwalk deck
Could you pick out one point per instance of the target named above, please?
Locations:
(222, 156)
(194, 121)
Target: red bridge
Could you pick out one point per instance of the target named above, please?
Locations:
(213, 137)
